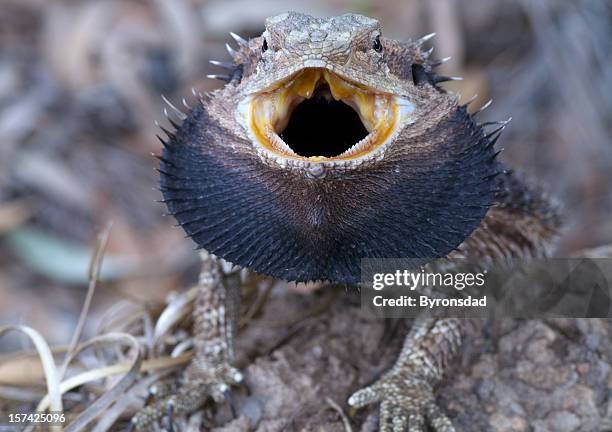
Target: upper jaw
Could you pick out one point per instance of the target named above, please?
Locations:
(265, 113)
(265, 80)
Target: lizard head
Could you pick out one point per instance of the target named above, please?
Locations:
(330, 143)
(320, 95)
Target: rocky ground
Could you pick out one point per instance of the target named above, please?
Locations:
(512, 375)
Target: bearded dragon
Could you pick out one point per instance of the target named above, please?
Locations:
(330, 143)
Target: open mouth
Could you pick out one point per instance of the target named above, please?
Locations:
(317, 116)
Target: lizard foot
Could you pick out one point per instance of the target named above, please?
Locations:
(405, 393)
(210, 374)
(194, 389)
(406, 402)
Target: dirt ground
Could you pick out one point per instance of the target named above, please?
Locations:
(512, 375)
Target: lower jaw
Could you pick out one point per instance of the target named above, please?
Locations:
(265, 115)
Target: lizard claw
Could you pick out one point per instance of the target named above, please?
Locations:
(197, 386)
(407, 403)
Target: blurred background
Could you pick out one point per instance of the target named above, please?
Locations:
(80, 86)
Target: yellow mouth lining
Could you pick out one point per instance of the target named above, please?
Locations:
(270, 112)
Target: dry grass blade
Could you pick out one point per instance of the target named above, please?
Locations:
(181, 347)
(49, 367)
(120, 317)
(119, 407)
(173, 313)
(118, 389)
(93, 275)
(338, 409)
(117, 369)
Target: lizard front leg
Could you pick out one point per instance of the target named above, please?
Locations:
(405, 392)
(210, 373)
(523, 224)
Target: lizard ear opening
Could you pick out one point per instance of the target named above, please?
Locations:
(322, 126)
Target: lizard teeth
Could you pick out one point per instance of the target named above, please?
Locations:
(265, 115)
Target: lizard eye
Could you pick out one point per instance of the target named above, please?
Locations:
(264, 46)
(377, 46)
